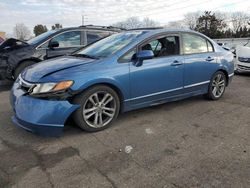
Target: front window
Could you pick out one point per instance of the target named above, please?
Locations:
(129, 56)
(110, 45)
(68, 39)
(165, 46)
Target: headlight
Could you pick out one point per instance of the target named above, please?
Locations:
(50, 87)
(242, 59)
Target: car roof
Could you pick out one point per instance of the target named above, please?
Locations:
(91, 27)
(163, 30)
(154, 31)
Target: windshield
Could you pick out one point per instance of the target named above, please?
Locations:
(41, 37)
(110, 45)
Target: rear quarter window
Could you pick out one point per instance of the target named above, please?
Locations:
(193, 44)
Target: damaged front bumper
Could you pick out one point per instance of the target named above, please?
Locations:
(43, 117)
(242, 67)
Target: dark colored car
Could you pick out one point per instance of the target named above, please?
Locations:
(15, 55)
(1, 40)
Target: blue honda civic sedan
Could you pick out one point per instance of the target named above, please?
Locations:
(123, 72)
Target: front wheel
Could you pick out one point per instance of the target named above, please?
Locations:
(217, 86)
(100, 106)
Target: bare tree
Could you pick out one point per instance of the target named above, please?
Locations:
(146, 22)
(21, 31)
(134, 22)
(190, 19)
(130, 23)
(239, 19)
(56, 26)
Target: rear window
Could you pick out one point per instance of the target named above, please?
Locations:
(93, 36)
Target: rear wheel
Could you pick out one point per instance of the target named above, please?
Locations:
(21, 67)
(100, 106)
(217, 86)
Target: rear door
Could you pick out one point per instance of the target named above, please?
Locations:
(200, 62)
(69, 41)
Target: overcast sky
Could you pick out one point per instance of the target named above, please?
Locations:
(104, 12)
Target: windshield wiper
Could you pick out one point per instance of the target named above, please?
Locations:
(84, 55)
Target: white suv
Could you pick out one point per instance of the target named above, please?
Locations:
(242, 62)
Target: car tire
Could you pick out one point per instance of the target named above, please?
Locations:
(21, 67)
(217, 86)
(99, 107)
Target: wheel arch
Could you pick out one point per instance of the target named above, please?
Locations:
(13, 71)
(226, 74)
(35, 60)
(112, 85)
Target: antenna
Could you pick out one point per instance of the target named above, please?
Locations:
(82, 19)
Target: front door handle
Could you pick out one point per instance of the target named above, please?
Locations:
(209, 58)
(176, 63)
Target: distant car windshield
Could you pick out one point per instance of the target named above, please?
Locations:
(41, 37)
(110, 45)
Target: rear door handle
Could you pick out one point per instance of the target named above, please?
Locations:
(176, 63)
(209, 58)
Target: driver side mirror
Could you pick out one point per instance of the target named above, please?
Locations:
(143, 55)
(53, 44)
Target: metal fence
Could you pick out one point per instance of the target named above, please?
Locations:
(232, 42)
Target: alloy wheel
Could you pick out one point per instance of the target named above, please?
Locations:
(218, 85)
(99, 109)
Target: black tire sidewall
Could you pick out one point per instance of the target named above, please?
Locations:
(81, 99)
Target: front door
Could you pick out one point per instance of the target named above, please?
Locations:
(161, 77)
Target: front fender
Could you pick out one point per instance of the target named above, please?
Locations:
(108, 81)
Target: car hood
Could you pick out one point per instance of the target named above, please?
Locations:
(243, 51)
(38, 71)
(12, 44)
